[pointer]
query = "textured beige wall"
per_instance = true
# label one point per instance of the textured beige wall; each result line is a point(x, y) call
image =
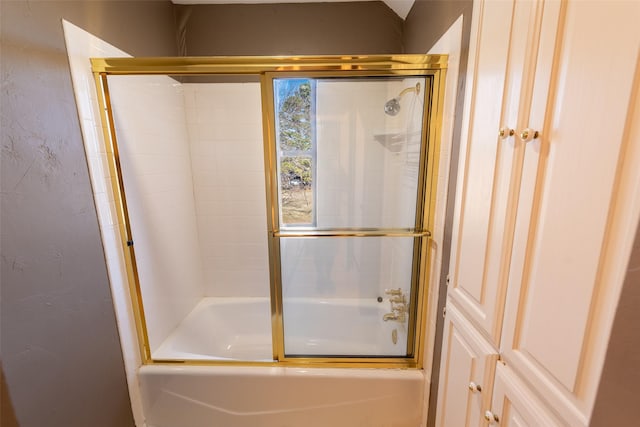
point(618, 400)
point(427, 21)
point(60, 350)
point(290, 29)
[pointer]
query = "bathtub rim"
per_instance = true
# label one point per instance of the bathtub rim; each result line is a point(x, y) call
point(371, 362)
point(267, 370)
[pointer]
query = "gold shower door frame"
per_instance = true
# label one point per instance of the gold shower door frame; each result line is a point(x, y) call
point(431, 67)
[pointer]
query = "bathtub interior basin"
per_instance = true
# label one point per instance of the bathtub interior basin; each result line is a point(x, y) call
point(222, 329)
point(240, 329)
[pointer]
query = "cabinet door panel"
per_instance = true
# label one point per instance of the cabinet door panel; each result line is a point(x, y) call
point(484, 224)
point(569, 200)
point(467, 358)
point(516, 406)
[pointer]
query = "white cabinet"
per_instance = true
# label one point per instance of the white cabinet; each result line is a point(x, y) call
point(565, 267)
point(499, 56)
point(543, 219)
point(514, 405)
point(466, 375)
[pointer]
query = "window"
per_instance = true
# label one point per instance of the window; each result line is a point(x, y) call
point(296, 145)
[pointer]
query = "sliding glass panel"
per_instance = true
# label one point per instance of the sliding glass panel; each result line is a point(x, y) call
point(347, 296)
point(348, 151)
point(348, 158)
point(192, 164)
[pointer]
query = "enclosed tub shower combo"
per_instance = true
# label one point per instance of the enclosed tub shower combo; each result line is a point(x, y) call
point(275, 216)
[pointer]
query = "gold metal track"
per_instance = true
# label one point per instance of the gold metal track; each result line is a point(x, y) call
point(260, 64)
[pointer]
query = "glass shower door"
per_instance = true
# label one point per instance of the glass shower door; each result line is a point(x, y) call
point(350, 167)
point(345, 150)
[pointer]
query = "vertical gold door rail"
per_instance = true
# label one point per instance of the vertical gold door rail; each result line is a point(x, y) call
point(273, 215)
point(431, 136)
point(117, 186)
point(421, 218)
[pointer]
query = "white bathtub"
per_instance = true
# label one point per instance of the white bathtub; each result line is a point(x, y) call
point(222, 329)
point(345, 326)
point(221, 396)
point(236, 396)
point(240, 329)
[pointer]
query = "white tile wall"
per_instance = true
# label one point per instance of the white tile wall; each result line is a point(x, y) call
point(149, 117)
point(403, 164)
point(355, 181)
point(400, 188)
point(345, 268)
point(225, 128)
point(81, 46)
point(349, 168)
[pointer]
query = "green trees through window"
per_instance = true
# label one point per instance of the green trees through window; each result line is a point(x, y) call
point(294, 115)
point(295, 133)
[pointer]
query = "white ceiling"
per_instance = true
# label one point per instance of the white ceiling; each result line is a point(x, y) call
point(400, 7)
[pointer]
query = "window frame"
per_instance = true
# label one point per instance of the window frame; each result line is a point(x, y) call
point(311, 153)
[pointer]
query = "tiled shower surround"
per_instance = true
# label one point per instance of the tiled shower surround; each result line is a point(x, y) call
point(224, 122)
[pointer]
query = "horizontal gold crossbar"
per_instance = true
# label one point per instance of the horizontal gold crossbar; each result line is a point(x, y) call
point(351, 233)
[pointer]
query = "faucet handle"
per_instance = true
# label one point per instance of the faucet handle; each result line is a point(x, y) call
point(398, 299)
point(393, 291)
point(399, 308)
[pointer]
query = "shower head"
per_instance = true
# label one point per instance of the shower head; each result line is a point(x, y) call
point(392, 106)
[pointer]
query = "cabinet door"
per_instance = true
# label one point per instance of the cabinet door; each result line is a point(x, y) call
point(514, 405)
point(578, 185)
point(466, 373)
point(501, 31)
